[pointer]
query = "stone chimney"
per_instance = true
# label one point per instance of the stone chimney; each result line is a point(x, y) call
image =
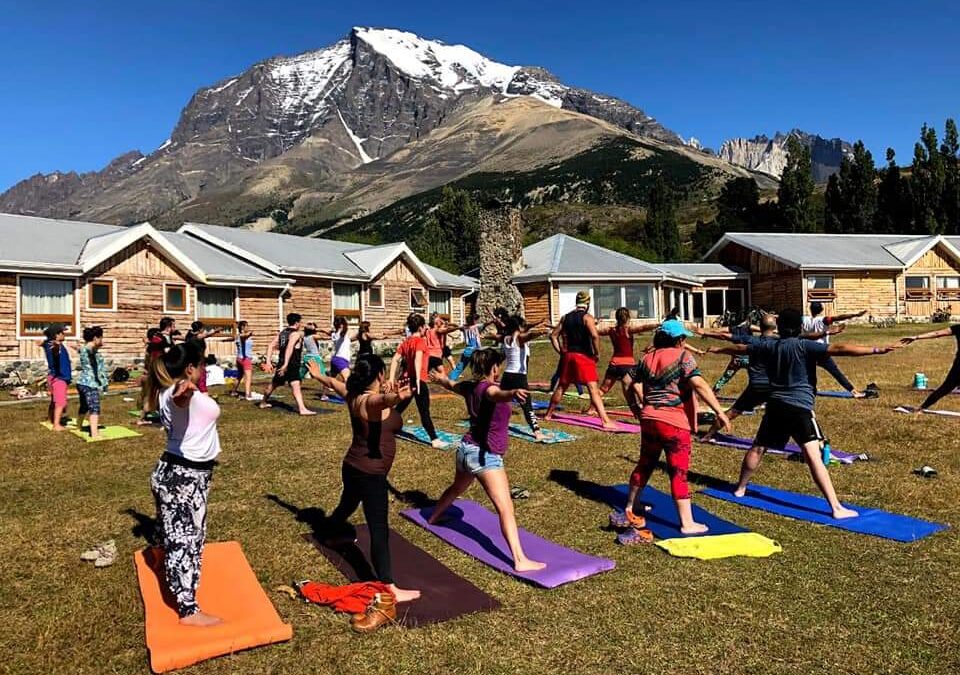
point(501, 256)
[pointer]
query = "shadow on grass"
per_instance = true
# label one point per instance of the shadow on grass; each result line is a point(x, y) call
point(144, 527)
point(415, 498)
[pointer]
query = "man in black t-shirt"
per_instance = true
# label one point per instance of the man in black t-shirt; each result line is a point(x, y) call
point(952, 380)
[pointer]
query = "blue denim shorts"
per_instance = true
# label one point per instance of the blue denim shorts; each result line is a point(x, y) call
point(468, 459)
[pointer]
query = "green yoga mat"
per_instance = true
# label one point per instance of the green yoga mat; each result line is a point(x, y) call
point(106, 434)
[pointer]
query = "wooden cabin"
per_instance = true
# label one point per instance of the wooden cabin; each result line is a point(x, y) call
point(905, 277)
point(558, 267)
point(125, 278)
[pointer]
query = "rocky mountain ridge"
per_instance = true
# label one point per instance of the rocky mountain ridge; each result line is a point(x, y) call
point(769, 155)
point(317, 115)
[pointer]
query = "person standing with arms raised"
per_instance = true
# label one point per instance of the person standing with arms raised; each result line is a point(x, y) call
point(289, 345)
point(577, 341)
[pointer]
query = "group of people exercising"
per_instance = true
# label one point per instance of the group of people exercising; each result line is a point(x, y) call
point(662, 387)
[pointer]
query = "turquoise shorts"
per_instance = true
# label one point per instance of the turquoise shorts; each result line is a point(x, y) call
point(468, 459)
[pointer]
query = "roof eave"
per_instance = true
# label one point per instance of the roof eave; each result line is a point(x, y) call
point(827, 268)
point(21, 266)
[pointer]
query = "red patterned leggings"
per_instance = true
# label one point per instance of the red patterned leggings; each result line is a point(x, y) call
point(658, 437)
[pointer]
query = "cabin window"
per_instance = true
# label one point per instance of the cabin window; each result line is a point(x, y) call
point(215, 308)
point(715, 302)
point(346, 300)
point(45, 301)
point(418, 300)
point(100, 295)
point(948, 288)
point(375, 296)
point(917, 288)
point(820, 287)
point(606, 301)
point(638, 298)
point(174, 298)
point(734, 299)
point(440, 303)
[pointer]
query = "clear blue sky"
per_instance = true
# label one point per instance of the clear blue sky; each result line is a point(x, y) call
point(78, 86)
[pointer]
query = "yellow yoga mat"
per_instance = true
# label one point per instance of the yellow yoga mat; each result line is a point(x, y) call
point(748, 544)
point(106, 434)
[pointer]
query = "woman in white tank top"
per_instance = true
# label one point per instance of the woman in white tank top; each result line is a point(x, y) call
point(516, 352)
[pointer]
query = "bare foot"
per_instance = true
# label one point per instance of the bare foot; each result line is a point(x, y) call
point(404, 594)
point(548, 417)
point(858, 394)
point(201, 620)
point(844, 512)
point(438, 444)
point(59, 428)
point(591, 412)
point(694, 528)
point(528, 565)
point(740, 492)
point(611, 425)
point(307, 413)
point(539, 437)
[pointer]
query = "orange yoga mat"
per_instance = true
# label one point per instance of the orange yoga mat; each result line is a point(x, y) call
point(228, 589)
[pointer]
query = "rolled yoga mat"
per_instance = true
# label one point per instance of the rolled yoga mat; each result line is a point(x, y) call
point(813, 509)
point(740, 443)
point(476, 531)
point(594, 423)
point(445, 594)
point(228, 589)
point(835, 394)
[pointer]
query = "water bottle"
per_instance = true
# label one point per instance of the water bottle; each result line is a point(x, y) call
point(919, 381)
point(826, 452)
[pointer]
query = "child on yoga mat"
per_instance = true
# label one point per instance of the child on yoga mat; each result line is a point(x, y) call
point(181, 480)
point(791, 362)
point(375, 422)
point(665, 381)
point(481, 451)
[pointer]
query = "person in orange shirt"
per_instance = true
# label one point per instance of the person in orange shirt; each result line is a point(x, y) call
point(665, 381)
point(414, 351)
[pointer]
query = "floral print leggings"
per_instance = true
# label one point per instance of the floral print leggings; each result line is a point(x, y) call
point(181, 496)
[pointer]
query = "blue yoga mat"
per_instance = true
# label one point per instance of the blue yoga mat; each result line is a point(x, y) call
point(816, 510)
point(542, 405)
point(662, 518)
point(835, 394)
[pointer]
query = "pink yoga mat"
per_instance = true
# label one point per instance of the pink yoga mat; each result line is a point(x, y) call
point(594, 423)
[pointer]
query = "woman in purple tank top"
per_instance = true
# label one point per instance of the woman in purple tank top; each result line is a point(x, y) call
point(480, 454)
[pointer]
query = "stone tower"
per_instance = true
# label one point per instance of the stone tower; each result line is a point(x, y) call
point(501, 256)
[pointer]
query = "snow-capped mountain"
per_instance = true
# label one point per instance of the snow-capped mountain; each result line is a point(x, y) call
point(346, 105)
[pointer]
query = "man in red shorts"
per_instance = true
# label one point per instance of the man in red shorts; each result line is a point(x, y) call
point(577, 341)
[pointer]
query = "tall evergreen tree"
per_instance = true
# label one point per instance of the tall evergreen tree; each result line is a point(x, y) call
point(926, 180)
point(796, 189)
point(893, 200)
point(833, 206)
point(661, 228)
point(950, 195)
point(450, 238)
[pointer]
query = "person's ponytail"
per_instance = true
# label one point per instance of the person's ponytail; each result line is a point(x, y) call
point(365, 372)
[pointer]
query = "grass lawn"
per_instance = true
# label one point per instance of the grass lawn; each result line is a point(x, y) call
point(832, 602)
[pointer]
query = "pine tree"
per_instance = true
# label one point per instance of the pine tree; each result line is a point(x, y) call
point(950, 195)
point(833, 206)
point(450, 238)
point(661, 230)
point(927, 182)
point(893, 200)
point(796, 189)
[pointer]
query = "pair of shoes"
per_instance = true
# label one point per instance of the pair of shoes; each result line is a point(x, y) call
point(926, 472)
point(103, 555)
point(621, 520)
point(519, 492)
point(381, 611)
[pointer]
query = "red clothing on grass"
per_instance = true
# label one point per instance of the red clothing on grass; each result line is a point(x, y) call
point(349, 598)
point(408, 351)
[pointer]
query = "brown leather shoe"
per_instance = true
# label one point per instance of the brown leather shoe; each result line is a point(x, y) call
point(382, 611)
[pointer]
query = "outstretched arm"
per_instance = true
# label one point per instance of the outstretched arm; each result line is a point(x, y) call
point(713, 334)
point(498, 395)
point(859, 350)
point(847, 317)
point(932, 335)
point(706, 395)
point(732, 350)
point(526, 336)
point(644, 327)
point(447, 383)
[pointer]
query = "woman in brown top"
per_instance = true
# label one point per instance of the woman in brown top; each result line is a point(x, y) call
point(368, 461)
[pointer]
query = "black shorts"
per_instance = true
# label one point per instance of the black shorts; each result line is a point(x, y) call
point(751, 398)
point(781, 422)
point(292, 375)
point(617, 373)
point(447, 352)
point(434, 363)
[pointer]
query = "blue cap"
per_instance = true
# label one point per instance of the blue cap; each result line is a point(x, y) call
point(674, 328)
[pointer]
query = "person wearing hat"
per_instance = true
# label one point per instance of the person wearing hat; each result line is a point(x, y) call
point(59, 373)
point(577, 341)
point(665, 382)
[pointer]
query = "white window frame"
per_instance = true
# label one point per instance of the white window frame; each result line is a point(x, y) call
point(88, 289)
point(186, 298)
point(352, 315)
point(74, 335)
point(426, 308)
point(383, 296)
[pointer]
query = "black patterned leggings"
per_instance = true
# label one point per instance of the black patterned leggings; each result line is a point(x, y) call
point(181, 496)
point(519, 381)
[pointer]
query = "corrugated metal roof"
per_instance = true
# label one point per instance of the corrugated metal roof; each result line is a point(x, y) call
point(835, 250)
point(289, 252)
point(216, 264)
point(563, 255)
point(47, 241)
point(703, 270)
point(447, 280)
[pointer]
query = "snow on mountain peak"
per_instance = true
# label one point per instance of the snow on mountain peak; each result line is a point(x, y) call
point(454, 67)
point(305, 78)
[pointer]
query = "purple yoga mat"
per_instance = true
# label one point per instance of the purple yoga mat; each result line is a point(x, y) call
point(476, 531)
point(594, 423)
point(739, 443)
